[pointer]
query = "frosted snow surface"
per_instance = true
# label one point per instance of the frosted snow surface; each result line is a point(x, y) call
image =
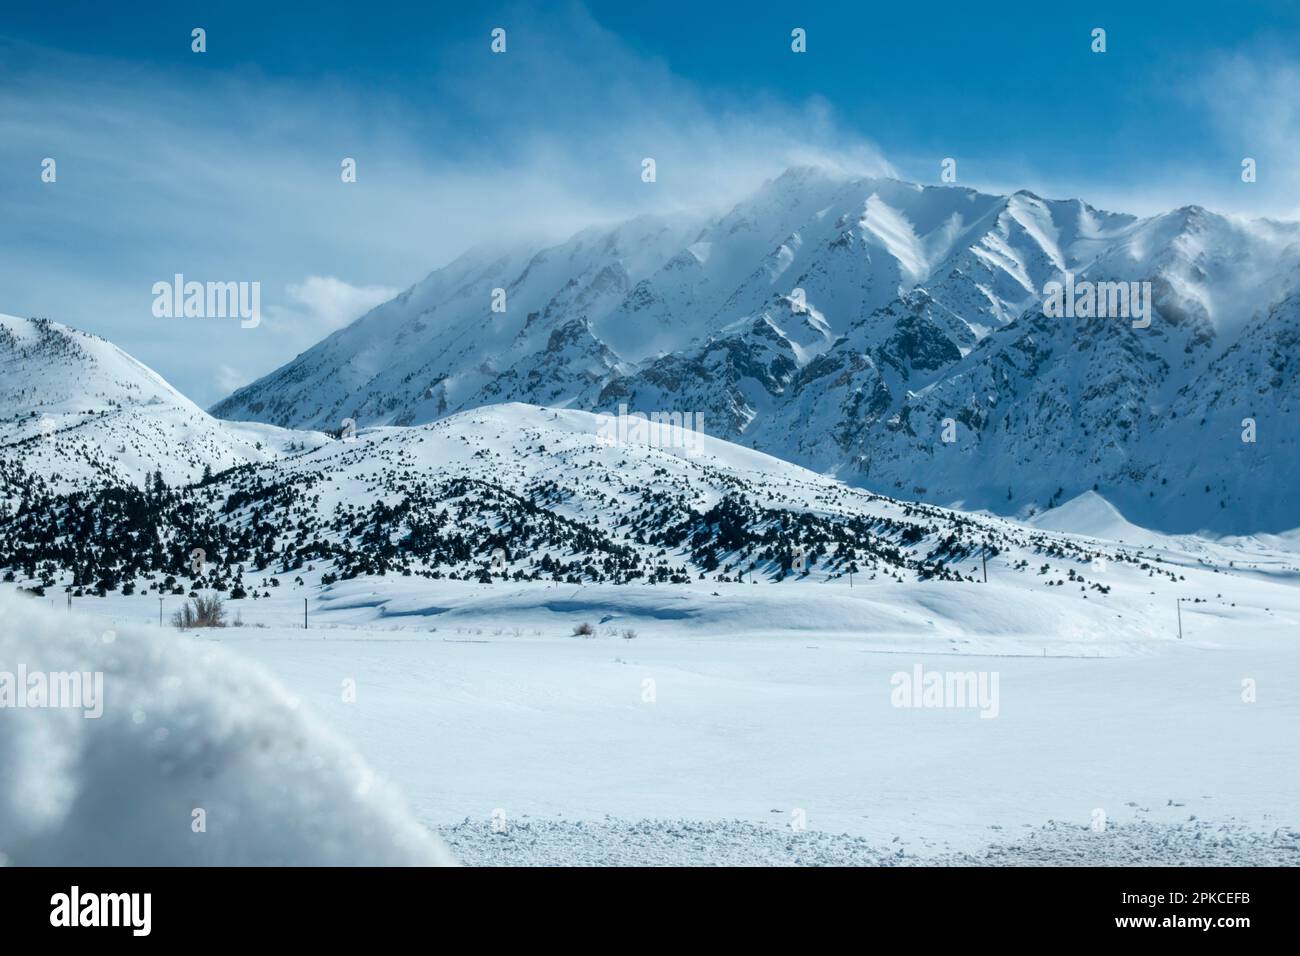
point(184, 727)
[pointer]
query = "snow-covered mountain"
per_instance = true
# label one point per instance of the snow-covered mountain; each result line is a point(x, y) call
point(851, 325)
point(78, 412)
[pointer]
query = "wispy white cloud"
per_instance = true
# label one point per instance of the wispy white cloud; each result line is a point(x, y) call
point(236, 177)
point(326, 303)
point(1252, 99)
point(228, 379)
point(1246, 106)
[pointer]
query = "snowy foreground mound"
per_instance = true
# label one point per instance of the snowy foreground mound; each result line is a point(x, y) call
point(196, 758)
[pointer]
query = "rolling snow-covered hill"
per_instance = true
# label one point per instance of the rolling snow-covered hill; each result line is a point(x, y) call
point(919, 306)
point(508, 501)
point(79, 412)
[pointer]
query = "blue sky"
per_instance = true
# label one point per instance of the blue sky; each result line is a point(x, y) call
point(224, 165)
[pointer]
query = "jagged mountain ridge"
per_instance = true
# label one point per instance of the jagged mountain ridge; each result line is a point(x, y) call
point(917, 302)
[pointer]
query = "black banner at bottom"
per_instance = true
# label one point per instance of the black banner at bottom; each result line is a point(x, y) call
point(338, 905)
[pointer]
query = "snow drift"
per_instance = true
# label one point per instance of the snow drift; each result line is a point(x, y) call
point(197, 759)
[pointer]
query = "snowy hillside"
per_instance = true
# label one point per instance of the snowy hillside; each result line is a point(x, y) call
point(519, 495)
point(843, 323)
point(77, 412)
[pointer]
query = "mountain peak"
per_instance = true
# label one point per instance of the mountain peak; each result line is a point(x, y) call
point(852, 376)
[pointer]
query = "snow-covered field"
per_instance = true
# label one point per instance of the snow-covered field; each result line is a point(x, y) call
point(758, 724)
point(774, 703)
